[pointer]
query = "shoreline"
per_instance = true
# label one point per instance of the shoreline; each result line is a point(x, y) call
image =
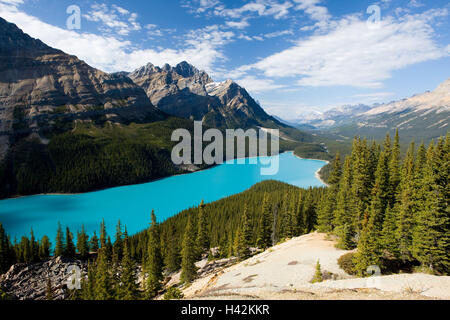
point(316, 174)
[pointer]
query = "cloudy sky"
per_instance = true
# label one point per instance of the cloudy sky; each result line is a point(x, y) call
point(293, 56)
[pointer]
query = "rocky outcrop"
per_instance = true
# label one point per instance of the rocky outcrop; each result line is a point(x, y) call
point(36, 79)
point(186, 92)
point(30, 281)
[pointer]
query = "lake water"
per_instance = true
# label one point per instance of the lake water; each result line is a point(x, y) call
point(133, 204)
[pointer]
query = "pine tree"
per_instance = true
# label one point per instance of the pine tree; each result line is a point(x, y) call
point(407, 207)
point(202, 236)
point(129, 288)
point(69, 251)
point(318, 277)
point(265, 225)
point(103, 234)
point(34, 248)
point(389, 232)
point(44, 248)
point(59, 247)
point(104, 284)
point(343, 219)
point(431, 238)
point(6, 252)
point(173, 258)
point(245, 236)
point(108, 249)
point(361, 185)
point(93, 243)
point(154, 260)
point(369, 247)
point(89, 287)
point(394, 171)
point(188, 254)
point(83, 244)
point(326, 209)
point(118, 245)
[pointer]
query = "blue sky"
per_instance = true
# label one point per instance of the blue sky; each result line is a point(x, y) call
point(293, 56)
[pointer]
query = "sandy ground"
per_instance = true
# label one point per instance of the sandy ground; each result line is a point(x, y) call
point(285, 271)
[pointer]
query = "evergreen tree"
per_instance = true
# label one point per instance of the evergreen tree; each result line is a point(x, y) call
point(108, 249)
point(89, 287)
point(369, 248)
point(326, 209)
point(318, 277)
point(394, 170)
point(202, 236)
point(34, 248)
point(265, 225)
point(245, 236)
point(343, 219)
point(407, 207)
point(389, 232)
point(118, 245)
point(154, 260)
point(44, 248)
point(59, 247)
point(83, 244)
point(431, 238)
point(173, 258)
point(129, 288)
point(188, 254)
point(93, 243)
point(361, 185)
point(104, 283)
point(6, 252)
point(69, 251)
point(103, 234)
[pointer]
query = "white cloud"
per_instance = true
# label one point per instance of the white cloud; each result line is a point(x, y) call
point(238, 24)
point(114, 19)
point(257, 85)
point(202, 47)
point(311, 8)
point(259, 7)
point(354, 55)
point(12, 2)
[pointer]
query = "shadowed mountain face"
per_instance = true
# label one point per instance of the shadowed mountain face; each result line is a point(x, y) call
point(38, 82)
point(187, 92)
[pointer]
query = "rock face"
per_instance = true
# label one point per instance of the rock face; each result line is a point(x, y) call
point(29, 282)
point(186, 92)
point(37, 80)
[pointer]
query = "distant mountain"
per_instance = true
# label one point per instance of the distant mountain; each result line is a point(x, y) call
point(186, 92)
point(333, 117)
point(422, 117)
point(38, 83)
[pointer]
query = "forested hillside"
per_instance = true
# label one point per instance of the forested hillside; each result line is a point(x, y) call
point(395, 213)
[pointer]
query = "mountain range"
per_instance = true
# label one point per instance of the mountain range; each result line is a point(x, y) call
point(187, 92)
point(422, 117)
point(68, 127)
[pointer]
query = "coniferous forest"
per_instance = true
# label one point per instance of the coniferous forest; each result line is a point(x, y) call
point(393, 208)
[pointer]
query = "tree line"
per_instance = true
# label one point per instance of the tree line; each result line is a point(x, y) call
point(387, 208)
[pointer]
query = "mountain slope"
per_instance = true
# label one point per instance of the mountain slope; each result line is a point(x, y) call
point(186, 92)
point(38, 82)
point(421, 117)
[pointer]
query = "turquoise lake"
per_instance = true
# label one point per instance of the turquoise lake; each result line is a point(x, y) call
point(133, 204)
